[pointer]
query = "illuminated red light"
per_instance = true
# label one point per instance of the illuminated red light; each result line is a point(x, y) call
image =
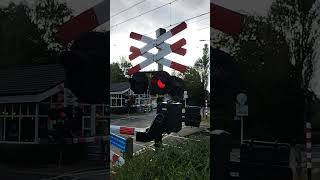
point(160, 84)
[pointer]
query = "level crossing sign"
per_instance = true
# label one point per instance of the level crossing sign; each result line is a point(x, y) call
point(164, 50)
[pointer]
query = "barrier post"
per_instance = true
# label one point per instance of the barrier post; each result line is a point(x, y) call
point(129, 148)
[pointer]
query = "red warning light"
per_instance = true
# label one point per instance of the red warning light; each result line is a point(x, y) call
point(161, 85)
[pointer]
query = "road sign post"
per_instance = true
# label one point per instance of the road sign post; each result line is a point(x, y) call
point(185, 97)
point(241, 110)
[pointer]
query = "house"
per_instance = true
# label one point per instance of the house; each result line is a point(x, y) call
point(118, 92)
point(27, 94)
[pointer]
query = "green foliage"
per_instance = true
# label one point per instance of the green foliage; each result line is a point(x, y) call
point(298, 21)
point(116, 73)
point(202, 65)
point(27, 35)
point(49, 15)
point(265, 55)
point(194, 86)
point(190, 161)
point(125, 65)
point(19, 37)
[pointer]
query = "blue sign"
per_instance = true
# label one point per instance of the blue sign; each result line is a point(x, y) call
point(118, 142)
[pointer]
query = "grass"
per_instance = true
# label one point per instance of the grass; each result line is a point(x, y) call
point(207, 120)
point(190, 161)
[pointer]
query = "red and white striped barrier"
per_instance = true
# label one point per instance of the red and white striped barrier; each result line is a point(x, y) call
point(165, 49)
point(124, 130)
point(116, 159)
point(84, 22)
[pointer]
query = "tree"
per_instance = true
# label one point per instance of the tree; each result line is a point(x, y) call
point(176, 73)
point(192, 81)
point(20, 42)
point(202, 65)
point(49, 15)
point(263, 55)
point(125, 65)
point(298, 21)
point(116, 73)
point(27, 35)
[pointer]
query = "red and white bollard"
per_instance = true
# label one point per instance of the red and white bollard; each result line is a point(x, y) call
point(206, 109)
point(124, 130)
point(116, 159)
point(309, 150)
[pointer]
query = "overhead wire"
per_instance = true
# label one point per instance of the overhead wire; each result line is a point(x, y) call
point(143, 13)
point(199, 20)
point(134, 5)
point(185, 20)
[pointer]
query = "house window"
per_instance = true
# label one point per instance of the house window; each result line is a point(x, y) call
point(113, 102)
point(116, 100)
point(2, 109)
point(1, 128)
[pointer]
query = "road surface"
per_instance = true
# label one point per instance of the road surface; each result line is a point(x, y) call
point(80, 171)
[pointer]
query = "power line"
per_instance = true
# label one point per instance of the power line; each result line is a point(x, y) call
point(143, 13)
point(196, 30)
point(199, 20)
point(188, 19)
point(127, 9)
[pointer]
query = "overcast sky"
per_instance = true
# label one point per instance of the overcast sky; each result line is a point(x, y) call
point(196, 34)
point(197, 29)
point(178, 11)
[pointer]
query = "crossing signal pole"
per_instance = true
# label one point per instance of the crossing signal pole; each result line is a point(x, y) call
point(159, 32)
point(170, 115)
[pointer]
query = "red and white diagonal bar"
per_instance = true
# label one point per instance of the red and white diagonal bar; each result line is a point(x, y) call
point(225, 20)
point(168, 49)
point(158, 58)
point(173, 65)
point(160, 39)
point(143, 64)
point(116, 159)
point(142, 38)
point(171, 33)
point(163, 61)
point(136, 51)
point(165, 50)
point(84, 22)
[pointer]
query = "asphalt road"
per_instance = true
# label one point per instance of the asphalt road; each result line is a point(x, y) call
point(82, 171)
point(141, 120)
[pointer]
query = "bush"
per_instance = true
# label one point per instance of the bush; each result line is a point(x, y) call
point(191, 161)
